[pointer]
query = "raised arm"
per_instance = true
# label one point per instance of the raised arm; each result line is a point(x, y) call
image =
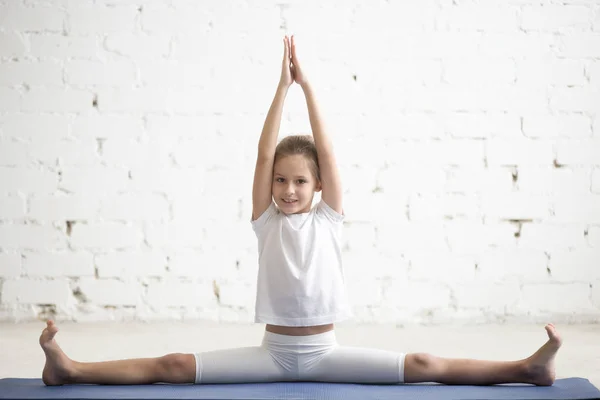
point(263, 172)
point(331, 183)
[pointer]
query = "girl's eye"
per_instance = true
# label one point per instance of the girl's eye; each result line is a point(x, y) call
point(301, 181)
point(279, 179)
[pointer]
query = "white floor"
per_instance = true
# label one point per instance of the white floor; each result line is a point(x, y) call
point(20, 355)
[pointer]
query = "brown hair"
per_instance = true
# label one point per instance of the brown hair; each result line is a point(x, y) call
point(300, 145)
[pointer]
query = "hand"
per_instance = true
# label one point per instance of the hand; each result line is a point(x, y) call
point(297, 72)
point(287, 73)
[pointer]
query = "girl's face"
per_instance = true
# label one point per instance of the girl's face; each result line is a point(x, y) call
point(294, 185)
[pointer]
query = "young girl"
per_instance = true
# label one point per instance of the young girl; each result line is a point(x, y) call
point(300, 288)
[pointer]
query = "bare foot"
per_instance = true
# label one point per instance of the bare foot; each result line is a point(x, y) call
point(59, 368)
point(540, 366)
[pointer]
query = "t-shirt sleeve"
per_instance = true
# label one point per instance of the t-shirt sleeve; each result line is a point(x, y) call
point(259, 223)
point(323, 209)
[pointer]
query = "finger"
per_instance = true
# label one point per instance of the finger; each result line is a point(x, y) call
point(286, 48)
point(293, 48)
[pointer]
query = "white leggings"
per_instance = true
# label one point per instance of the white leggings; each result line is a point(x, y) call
point(300, 358)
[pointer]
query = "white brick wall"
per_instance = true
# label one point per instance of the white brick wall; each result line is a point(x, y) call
point(468, 137)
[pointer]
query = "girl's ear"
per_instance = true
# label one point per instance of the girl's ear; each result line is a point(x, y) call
point(318, 186)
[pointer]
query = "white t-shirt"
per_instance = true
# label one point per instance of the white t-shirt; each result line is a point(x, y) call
point(300, 275)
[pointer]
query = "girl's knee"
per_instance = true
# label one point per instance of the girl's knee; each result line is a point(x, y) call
point(425, 362)
point(178, 366)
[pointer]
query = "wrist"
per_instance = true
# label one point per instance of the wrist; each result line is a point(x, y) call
point(282, 86)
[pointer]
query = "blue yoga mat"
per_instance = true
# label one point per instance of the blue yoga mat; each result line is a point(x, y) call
point(571, 388)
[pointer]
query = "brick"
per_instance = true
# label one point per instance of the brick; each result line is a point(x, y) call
point(126, 264)
point(592, 71)
point(12, 207)
point(518, 265)
point(27, 180)
point(86, 72)
point(381, 266)
point(139, 47)
point(553, 180)
point(169, 73)
point(555, 298)
point(237, 293)
point(34, 126)
point(469, 180)
point(94, 180)
point(63, 264)
point(128, 207)
point(183, 126)
point(62, 47)
point(576, 209)
point(10, 100)
point(358, 235)
point(373, 207)
point(515, 205)
point(416, 296)
point(555, 18)
point(130, 153)
point(209, 150)
point(194, 207)
point(444, 205)
point(593, 236)
point(448, 152)
point(361, 179)
point(31, 73)
point(516, 45)
point(551, 237)
point(100, 19)
point(188, 19)
point(596, 294)
point(30, 237)
point(12, 44)
point(458, 98)
point(29, 291)
point(10, 265)
point(107, 126)
point(491, 297)
point(110, 292)
point(166, 179)
point(575, 99)
point(105, 236)
point(477, 18)
point(14, 154)
point(132, 100)
point(488, 125)
point(500, 152)
point(596, 180)
point(19, 18)
point(173, 234)
point(477, 71)
point(52, 152)
point(364, 292)
point(561, 72)
point(445, 266)
point(208, 263)
point(180, 294)
point(406, 239)
point(230, 17)
point(578, 265)
point(61, 207)
point(582, 152)
point(580, 45)
point(57, 100)
point(472, 238)
point(557, 126)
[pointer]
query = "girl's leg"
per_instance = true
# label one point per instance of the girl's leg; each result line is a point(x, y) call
point(60, 369)
point(538, 369)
